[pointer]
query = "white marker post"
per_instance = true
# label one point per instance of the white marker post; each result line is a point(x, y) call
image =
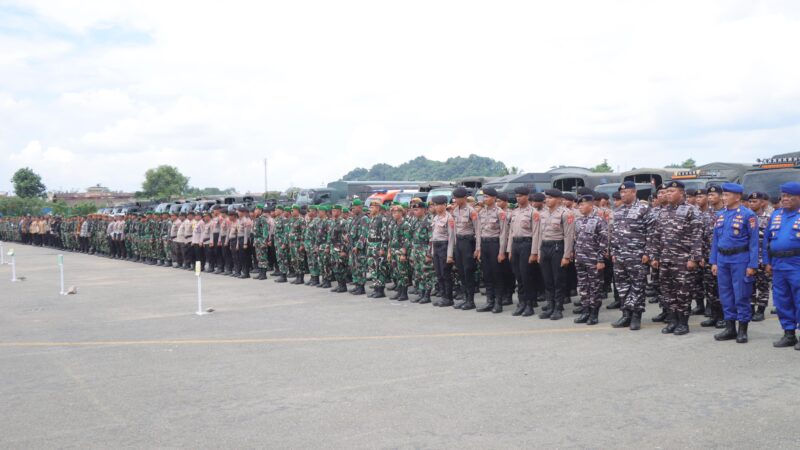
point(13, 266)
point(200, 311)
point(61, 273)
point(2, 255)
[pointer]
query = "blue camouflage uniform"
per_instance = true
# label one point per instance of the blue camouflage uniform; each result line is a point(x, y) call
point(782, 252)
point(734, 249)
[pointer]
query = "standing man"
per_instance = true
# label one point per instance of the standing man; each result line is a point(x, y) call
point(715, 205)
point(782, 257)
point(422, 257)
point(260, 240)
point(468, 244)
point(376, 250)
point(591, 247)
point(677, 253)
point(629, 252)
point(556, 238)
point(492, 221)
point(442, 242)
point(758, 202)
point(734, 260)
point(297, 226)
point(400, 252)
point(243, 235)
point(522, 247)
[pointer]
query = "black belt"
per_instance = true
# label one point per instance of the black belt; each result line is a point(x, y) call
point(522, 239)
point(462, 237)
point(374, 240)
point(439, 243)
point(552, 242)
point(785, 253)
point(733, 251)
point(490, 239)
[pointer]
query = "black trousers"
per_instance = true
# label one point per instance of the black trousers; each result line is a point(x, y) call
point(244, 256)
point(188, 254)
point(216, 253)
point(227, 257)
point(464, 258)
point(234, 251)
point(444, 271)
point(523, 271)
point(552, 252)
point(490, 269)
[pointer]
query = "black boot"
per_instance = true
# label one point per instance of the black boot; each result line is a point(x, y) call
point(281, 278)
point(507, 301)
point(262, 274)
point(584, 317)
point(789, 339)
point(426, 298)
point(661, 317)
point(403, 294)
point(444, 302)
point(758, 315)
point(593, 313)
point(245, 274)
point(580, 310)
point(729, 332)
point(301, 279)
point(498, 307)
point(636, 321)
point(715, 310)
point(672, 322)
point(315, 281)
point(397, 294)
point(529, 311)
point(359, 290)
point(623, 321)
point(683, 324)
point(379, 292)
point(469, 303)
point(741, 337)
point(558, 313)
point(614, 305)
point(520, 309)
point(547, 311)
point(325, 285)
point(488, 306)
point(700, 309)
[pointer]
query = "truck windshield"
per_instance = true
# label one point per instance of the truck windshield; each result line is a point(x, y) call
point(769, 181)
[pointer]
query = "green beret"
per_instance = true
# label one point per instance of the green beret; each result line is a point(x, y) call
point(385, 206)
point(347, 210)
point(279, 207)
point(336, 207)
point(357, 202)
point(260, 206)
point(296, 207)
point(395, 203)
point(404, 204)
point(314, 207)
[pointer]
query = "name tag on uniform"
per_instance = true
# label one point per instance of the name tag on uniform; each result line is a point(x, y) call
point(682, 211)
point(591, 223)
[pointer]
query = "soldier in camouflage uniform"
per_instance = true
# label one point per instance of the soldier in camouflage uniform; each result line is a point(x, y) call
point(336, 248)
point(421, 256)
point(357, 235)
point(297, 225)
point(591, 246)
point(758, 201)
point(710, 285)
point(322, 248)
point(629, 252)
point(261, 230)
point(376, 250)
point(281, 245)
point(399, 252)
point(677, 253)
point(310, 244)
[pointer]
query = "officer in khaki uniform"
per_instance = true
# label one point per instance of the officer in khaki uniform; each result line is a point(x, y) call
point(556, 237)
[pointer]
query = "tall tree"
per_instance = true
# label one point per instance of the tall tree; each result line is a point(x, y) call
point(164, 182)
point(27, 183)
point(604, 167)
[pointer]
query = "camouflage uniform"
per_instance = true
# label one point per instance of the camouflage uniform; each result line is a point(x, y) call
point(310, 244)
point(297, 227)
point(421, 257)
point(629, 244)
point(591, 245)
point(377, 241)
point(761, 285)
point(358, 232)
point(400, 248)
point(322, 250)
point(335, 245)
point(260, 239)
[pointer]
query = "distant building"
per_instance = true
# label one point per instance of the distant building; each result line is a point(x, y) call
point(97, 195)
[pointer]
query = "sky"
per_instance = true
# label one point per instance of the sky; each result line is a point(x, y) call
point(97, 92)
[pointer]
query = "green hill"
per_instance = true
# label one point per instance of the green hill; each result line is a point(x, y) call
point(422, 168)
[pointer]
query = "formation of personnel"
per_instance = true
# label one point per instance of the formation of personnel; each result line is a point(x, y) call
point(717, 247)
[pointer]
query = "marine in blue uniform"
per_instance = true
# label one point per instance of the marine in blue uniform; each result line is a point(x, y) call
point(782, 257)
point(734, 261)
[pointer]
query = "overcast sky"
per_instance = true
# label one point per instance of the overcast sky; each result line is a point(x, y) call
point(98, 91)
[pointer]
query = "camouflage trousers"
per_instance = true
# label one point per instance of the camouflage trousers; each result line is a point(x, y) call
point(590, 284)
point(262, 253)
point(761, 287)
point(358, 264)
point(298, 256)
point(630, 276)
point(424, 276)
point(283, 256)
point(710, 285)
point(402, 269)
point(337, 263)
point(312, 257)
point(377, 266)
point(676, 286)
point(324, 258)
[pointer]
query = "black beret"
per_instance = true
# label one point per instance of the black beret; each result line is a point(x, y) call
point(459, 192)
point(502, 196)
point(243, 209)
point(699, 192)
point(439, 200)
point(691, 192)
point(522, 190)
point(232, 213)
point(418, 205)
point(492, 192)
point(757, 196)
point(585, 191)
point(538, 197)
point(569, 196)
point(601, 196)
point(616, 195)
point(627, 185)
point(586, 198)
point(553, 193)
point(714, 189)
point(661, 187)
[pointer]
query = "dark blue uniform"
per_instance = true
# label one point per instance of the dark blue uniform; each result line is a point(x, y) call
point(782, 251)
point(734, 249)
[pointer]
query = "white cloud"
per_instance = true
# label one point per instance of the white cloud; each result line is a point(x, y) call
point(322, 87)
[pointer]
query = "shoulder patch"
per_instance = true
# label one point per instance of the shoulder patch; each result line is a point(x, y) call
point(473, 216)
point(536, 216)
point(570, 218)
point(451, 223)
point(502, 215)
point(753, 222)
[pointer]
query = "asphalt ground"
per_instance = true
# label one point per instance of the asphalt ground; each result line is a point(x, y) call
point(126, 363)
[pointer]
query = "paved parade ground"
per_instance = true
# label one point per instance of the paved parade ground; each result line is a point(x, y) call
point(126, 363)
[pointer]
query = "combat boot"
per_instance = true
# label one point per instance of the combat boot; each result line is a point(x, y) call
point(315, 280)
point(398, 292)
point(359, 290)
point(625, 320)
point(488, 306)
point(426, 298)
point(444, 302)
point(728, 333)
point(262, 274)
point(547, 311)
point(715, 315)
point(614, 305)
point(520, 309)
point(558, 314)
point(593, 313)
point(700, 309)
point(403, 294)
point(498, 307)
point(529, 310)
point(636, 321)
point(661, 317)
point(580, 310)
point(758, 315)
point(325, 285)
point(583, 318)
point(683, 325)
point(741, 337)
point(299, 279)
point(672, 322)
point(281, 278)
point(789, 339)
point(507, 300)
point(245, 274)
point(379, 292)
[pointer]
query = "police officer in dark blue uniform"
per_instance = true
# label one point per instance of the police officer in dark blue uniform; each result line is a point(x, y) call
point(782, 257)
point(734, 261)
